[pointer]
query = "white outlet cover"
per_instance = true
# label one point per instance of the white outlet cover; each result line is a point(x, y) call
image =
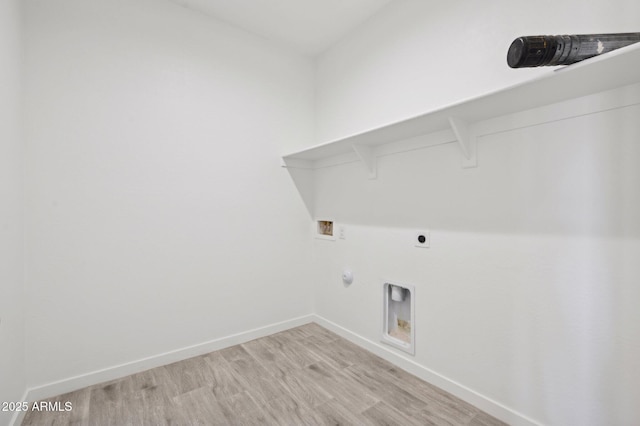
point(427, 239)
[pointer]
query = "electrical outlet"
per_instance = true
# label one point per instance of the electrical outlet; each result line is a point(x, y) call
point(341, 232)
point(422, 239)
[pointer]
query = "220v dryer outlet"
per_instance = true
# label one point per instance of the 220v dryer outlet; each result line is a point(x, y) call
point(422, 239)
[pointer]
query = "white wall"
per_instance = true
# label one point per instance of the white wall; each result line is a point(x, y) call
point(12, 372)
point(414, 56)
point(159, 216)
point(528, 292)
point(527, 295)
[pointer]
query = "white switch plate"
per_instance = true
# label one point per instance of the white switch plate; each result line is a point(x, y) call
point(422, 239)
point(341, 232)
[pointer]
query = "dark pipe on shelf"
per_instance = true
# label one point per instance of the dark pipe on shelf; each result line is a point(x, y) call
point(549, 50)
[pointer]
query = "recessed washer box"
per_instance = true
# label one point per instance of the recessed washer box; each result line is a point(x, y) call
point(325, 229)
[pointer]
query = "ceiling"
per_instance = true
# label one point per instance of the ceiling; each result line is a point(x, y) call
point(308, 26)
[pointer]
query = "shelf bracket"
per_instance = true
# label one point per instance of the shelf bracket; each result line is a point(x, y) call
point(466, 140)
point(368, 158)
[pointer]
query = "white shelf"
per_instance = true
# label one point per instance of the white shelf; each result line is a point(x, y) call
point(601, 73)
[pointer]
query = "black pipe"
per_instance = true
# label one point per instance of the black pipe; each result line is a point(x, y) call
point(542, 50)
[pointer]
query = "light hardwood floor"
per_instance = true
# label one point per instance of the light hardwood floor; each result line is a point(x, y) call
point(303, 376)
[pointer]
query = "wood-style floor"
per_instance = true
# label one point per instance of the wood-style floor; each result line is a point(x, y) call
point(303, 376)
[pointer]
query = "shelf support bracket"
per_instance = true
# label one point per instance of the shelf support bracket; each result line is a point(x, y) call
point(368, 158)
point(466, 140)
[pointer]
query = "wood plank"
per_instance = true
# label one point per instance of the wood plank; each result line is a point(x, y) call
point(244, 410)
point(199, 407)
point(445, 404)
point(382, 414)
point(402, 398)
point(287, 411)
point(287, 346)
point(303, 388)
point(225, 382)
point(273, 360)
point(78, 416)
point(255, 379)
point(334, 413)
point(111, 404)
point(190, 374)
point(484, 419)
point(348, 392)
point(319, 333)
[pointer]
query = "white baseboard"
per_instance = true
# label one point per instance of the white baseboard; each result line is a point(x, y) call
point(118, 371)
point(484, 403)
